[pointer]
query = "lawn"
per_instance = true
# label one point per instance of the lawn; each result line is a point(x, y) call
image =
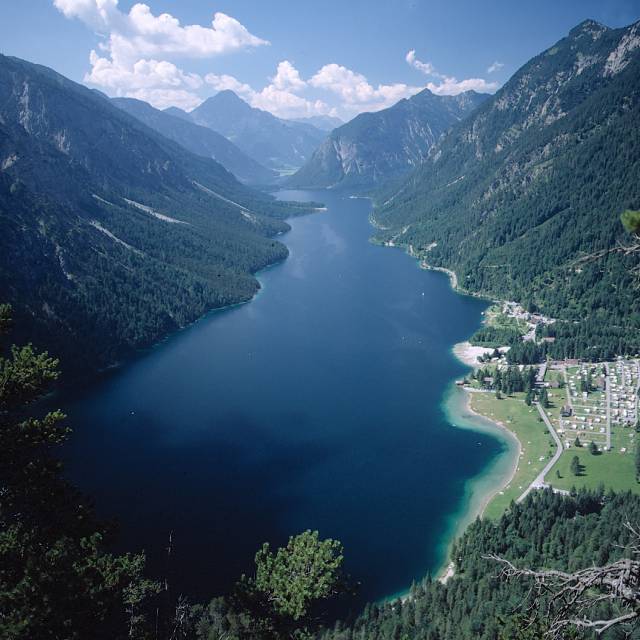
point(612, 469)
point(536, 443)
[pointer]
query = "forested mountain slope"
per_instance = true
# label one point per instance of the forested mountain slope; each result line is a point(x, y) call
point(200, 140)
point(374, 147)
point(546, 531)
point(275, 143)
point(523, 198)
point(111, 235)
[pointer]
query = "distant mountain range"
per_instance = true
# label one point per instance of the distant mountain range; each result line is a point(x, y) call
point(278, 144)
point(375, 147)
point(324, 123)
point(177, 126)
point(523, 198)
point(112, 235)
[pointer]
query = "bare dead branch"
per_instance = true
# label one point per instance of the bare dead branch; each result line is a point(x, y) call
point(570, 597)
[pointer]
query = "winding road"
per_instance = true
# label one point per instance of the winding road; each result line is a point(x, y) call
point(539, 482)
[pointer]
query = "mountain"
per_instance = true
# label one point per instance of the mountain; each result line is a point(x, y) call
point(111, 235)
point(375, 147)
point(324, 123)
point(177, 113)
point(522, 199)
point(275, 143)
point(199, 140)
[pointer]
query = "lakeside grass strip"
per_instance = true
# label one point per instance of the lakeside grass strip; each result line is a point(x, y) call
point(525, 423)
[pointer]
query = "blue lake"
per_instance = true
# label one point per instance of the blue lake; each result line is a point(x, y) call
point(318, 405)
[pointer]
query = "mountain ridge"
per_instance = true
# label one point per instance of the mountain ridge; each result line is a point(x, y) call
point(516, 198)
point(384, 145)
point(200, 140)
point(112, 235)
point(275, 143)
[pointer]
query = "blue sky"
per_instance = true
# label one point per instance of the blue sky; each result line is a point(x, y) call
point(293, 58)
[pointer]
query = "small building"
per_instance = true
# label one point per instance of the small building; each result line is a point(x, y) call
point(566, 411)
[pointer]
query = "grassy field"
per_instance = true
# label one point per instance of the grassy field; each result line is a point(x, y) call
point(615, 469)
point(536, 443)
point(494, 317)
point(498, 329)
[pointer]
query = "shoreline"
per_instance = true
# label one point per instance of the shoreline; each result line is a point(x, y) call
point(482, 489)
point(504, 431)
point(453, 278)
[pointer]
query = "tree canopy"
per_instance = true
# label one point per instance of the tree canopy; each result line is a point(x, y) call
point(631, 221)
point(302, 573)
point(56, 579)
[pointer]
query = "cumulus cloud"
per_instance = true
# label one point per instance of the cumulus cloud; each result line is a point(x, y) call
point(285, 95)
point(137, 56)
point(355, 90)
point(496, 66)
point(141, 34)
point(156, 81)
point(229, 83)
point(280, 97)
point(287, 78)
point(449, 85)
point(425, 67)
point(135, 46)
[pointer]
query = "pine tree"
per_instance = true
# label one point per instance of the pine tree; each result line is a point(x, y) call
point(575, 466)
point(56, 580)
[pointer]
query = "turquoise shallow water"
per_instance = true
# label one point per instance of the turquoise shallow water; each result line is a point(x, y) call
point(318, 405)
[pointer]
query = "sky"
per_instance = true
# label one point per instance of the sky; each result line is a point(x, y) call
point(295, 59)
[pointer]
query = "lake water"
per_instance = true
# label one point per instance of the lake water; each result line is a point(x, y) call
point(318, 405)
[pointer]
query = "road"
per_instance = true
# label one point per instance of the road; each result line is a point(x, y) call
point(638, 391)
point(607, 385)
point(539, 482)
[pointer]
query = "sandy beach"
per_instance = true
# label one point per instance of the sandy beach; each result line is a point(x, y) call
point(480, 490)
point(468, 354)
point(452, 274)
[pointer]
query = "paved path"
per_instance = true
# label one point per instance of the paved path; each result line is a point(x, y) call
point(567, 386)
point(637, 391)
point(539, 482)
point(607, 384)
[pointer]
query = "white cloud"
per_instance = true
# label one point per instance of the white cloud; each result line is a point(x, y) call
point(229, 83)
point(285, 96)
point(496, 66)
point(288, 105)
point(452, 86)
point(424, 67)
point(141, 34)
point(355, 90)
point(280, 96)
point(449, 85)
point(156, 82)
point(287, 78)
point(137, 51)
point(134, 43)
point(96, 13)
point(163, 98)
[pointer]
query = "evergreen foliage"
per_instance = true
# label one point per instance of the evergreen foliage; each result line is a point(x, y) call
point(546, 530)
point(523, 198)
point(56, 579)
point(115, 236)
